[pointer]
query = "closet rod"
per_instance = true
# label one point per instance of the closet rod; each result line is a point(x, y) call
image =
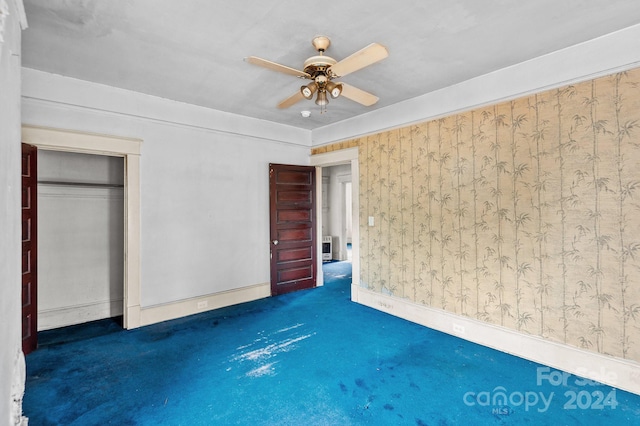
point(80, 184)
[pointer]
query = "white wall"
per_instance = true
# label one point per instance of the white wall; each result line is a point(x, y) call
point(12, 373)
point(80, 238)
point(204, 181)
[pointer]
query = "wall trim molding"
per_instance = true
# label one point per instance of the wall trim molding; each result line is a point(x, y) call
point(22, 15)
point(620, 373)
point(196, 305)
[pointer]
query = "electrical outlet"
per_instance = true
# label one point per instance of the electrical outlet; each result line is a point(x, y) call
point(203, 304)
point(458, 329)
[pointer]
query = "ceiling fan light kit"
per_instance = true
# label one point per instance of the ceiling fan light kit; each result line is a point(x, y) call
point(321, 70)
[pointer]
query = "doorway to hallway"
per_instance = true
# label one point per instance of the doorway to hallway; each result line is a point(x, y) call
point(337, 209)
point(348, 157)
point(337, 219)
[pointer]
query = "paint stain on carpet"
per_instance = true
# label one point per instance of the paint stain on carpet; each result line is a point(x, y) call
point(264, 370)
point(259, 353)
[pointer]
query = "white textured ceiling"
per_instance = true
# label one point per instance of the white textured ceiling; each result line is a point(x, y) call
point(192, 50)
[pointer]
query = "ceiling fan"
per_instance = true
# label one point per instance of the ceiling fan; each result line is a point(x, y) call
point(322, 70)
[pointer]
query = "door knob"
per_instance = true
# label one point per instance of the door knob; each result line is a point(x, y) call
point(275, 242)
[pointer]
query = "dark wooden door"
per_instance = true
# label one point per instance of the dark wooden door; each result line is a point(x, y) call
point(293, 227)
point(29, 248)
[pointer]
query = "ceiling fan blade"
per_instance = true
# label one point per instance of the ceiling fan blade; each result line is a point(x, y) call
point(358, 95)
point(364, 57)
point(293, 99)
point(276, 67)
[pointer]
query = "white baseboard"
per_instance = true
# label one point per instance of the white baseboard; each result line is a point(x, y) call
point(78, 314)
point(196, 305)
point(620, 373)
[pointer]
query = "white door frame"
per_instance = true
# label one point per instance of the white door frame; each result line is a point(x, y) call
point(334, 158)
point(129, 149)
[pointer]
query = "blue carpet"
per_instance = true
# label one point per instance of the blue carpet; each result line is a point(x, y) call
point(305, 358)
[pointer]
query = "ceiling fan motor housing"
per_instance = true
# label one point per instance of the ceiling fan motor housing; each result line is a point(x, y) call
point(316, 65)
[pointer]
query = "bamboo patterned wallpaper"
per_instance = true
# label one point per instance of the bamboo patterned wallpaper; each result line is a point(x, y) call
point(524, 214)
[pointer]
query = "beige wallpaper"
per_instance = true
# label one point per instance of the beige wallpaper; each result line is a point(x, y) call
point(524, 214)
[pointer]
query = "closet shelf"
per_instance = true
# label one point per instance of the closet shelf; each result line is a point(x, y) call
point(80, 184)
